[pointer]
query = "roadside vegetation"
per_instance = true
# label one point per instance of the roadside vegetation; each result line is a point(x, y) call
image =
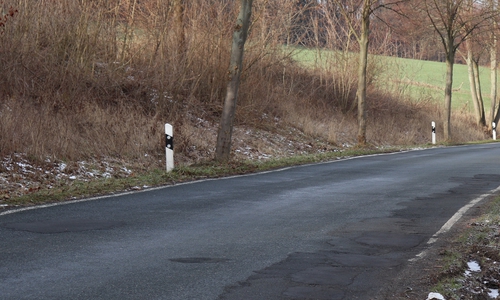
point(88, 86)
point(469, 267)
point(85, 180)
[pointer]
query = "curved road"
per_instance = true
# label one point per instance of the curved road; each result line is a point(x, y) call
point(338, 230)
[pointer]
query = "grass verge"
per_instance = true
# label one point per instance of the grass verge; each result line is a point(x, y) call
point(76, 189)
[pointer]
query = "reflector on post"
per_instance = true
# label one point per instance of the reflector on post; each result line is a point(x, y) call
point(169, 147)
point(433, 124)
point(494, 130)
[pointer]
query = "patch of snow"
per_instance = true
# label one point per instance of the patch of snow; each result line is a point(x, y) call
point(124, 169)
point(473, 266)
point(493, 293)
point(155, 96)
point(435, 296)
point(19, 176)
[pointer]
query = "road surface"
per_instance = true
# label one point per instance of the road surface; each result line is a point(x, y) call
point(338, 230)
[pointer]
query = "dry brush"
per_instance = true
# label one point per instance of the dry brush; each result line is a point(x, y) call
point(86, 78)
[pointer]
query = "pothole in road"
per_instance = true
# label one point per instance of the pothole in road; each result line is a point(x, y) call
point(62, 226)
point(199, 260)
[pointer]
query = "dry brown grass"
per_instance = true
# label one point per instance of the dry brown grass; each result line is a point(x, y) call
point(83, 79)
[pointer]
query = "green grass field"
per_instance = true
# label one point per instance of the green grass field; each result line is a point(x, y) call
point(421, 80)
point(427, 78)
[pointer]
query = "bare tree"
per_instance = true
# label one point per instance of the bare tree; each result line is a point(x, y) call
point(472, 57)
point(454, 21)
point(494, 115)
point(223, 148)
point(363, 63)
point(358, 14)
point(493, 76)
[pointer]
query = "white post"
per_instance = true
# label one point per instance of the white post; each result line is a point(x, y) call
point(169, 147)
point(433, 124)
point(494, 131)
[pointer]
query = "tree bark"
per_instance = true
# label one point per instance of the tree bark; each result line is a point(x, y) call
point(480, 102)
point(494, 87)
point(223, 148)
point(362, 72)
point(493, 76)
point(179, 29)
point(472, 81)
point(450, 60)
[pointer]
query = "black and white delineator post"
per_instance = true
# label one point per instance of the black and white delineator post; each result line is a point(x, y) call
point(169, 147)
point(433, 124)
point(494, 129)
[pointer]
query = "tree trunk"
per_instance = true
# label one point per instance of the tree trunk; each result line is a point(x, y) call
point(480, 102)
point(363, 63)
point(223, 148)
point(179, 29)
point(472, 81)
point(493, 92)
point(450, 60)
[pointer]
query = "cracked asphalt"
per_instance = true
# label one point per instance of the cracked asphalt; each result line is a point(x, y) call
point(338, 230)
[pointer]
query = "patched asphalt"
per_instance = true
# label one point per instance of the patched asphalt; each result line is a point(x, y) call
point(361, 258)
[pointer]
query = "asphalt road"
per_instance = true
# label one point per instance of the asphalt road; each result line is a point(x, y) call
point(339, 230)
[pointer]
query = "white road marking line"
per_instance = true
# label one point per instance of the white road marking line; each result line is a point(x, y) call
point(453, 220)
